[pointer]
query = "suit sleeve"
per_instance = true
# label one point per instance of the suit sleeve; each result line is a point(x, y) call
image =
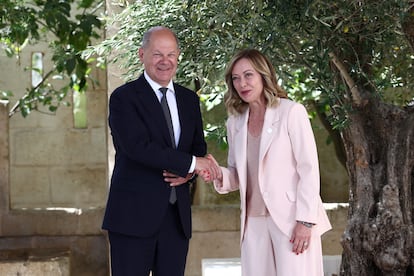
point(230, 181)
point(307, 165)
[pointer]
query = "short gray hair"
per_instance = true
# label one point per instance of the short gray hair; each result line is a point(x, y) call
point(147, 35)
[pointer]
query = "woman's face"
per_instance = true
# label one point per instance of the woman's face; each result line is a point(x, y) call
point(247, 82)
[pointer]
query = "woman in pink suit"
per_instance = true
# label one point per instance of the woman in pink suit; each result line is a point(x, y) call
point(273, 162)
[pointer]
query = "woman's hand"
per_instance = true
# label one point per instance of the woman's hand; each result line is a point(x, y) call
point(217, 174)
point(301, 237)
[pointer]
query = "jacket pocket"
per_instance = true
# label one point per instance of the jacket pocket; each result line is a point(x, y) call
point(291, 196)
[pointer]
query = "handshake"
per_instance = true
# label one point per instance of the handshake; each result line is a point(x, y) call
point(208, 168)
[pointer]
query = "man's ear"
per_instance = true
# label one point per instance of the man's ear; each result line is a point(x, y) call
point(141, 54)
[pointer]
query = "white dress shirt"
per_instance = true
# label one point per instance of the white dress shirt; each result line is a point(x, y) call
point(172, 104)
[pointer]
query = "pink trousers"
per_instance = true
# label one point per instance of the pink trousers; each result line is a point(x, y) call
point(266, 251)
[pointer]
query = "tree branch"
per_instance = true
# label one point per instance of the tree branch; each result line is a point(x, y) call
point(16, 106)
point(356, 94)
point(333, 133)
point(408, 25)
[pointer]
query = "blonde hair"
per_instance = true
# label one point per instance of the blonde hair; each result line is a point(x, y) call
point(271, 89)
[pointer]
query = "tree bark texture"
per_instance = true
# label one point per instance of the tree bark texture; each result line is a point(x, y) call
point(379, 237)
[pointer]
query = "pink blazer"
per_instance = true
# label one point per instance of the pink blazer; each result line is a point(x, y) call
point(288, 167)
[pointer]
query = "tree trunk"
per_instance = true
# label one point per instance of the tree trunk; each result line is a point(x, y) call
point(379, 237)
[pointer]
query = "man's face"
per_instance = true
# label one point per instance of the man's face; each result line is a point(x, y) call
point(160, 57)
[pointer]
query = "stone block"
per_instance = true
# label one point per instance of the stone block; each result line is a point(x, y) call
point(213, 244)
point(78, 186)
point(31, 187)
point(216, 218)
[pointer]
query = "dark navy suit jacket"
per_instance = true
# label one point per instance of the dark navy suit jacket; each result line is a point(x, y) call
point(138, 196)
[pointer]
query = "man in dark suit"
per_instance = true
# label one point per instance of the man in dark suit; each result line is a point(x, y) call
point(148, 213)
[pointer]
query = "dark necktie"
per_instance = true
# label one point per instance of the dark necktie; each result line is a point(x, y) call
point(167, 114)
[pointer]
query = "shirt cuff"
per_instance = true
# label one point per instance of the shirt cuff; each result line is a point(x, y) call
point(193, 164)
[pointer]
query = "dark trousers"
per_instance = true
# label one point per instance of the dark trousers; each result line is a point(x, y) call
point(164, 254)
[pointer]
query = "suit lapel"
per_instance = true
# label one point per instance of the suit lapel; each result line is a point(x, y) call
point(182, 109)
point(152, 106)
point(272, 117)
point(240, 145)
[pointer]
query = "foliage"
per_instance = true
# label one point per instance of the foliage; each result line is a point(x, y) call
point(29, 22)
point(299, 36)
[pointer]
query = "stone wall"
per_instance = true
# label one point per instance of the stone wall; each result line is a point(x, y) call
point(50, 158)
point(53, 181)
